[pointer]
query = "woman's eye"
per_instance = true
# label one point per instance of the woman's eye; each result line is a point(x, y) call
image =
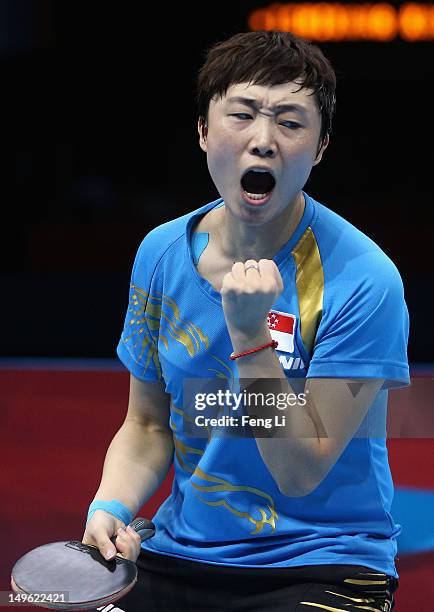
point(290, 124)
point(293, 125)
point(241, 115)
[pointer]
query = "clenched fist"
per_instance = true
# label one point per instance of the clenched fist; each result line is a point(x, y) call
point(248, 292)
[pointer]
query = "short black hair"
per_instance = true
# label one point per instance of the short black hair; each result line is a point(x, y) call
point(268, 58)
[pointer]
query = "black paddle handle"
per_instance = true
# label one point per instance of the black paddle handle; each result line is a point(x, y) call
point(145, 528)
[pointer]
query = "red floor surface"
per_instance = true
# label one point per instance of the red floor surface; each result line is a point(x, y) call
point(56, 427)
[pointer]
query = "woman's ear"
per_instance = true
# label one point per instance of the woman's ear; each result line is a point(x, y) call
point(324, 146)
point(202, 128)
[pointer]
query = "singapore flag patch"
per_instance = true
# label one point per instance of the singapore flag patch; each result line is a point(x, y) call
point(282, 329)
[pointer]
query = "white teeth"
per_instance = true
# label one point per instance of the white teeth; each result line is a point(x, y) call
point(256, 196)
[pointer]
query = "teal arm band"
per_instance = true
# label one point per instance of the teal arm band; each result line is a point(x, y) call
point(114, 507)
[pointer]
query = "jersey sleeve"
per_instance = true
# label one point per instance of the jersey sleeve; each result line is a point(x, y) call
point(138, 345)
point(364, 330)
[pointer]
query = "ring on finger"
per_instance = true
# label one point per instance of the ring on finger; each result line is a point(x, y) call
point(254, 266)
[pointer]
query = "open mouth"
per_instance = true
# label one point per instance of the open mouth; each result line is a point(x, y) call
point(257, 186)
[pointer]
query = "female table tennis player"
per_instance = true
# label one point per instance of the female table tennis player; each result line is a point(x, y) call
point(263, 284)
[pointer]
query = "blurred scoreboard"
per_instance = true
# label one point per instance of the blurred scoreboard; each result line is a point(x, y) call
point(345, 22)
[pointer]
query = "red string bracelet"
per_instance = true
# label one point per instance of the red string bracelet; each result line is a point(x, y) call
point(274, 344)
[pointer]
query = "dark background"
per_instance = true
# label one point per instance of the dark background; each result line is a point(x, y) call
point(99, 145)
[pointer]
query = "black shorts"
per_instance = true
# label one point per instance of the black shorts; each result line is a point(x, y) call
point(169, 584)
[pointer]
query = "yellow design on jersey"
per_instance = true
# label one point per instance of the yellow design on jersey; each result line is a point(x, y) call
point(309, 280)
point(259, 524)
point(182, 449)
point(227, 372)
point(227, 487)
point(147, 312)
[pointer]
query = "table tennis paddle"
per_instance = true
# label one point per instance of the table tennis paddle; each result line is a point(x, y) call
point(77, 570)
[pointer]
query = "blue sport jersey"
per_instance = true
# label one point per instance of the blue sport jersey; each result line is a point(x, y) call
point(344, 316)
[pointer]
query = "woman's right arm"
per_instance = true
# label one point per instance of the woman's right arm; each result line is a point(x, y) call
point(136, 463)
